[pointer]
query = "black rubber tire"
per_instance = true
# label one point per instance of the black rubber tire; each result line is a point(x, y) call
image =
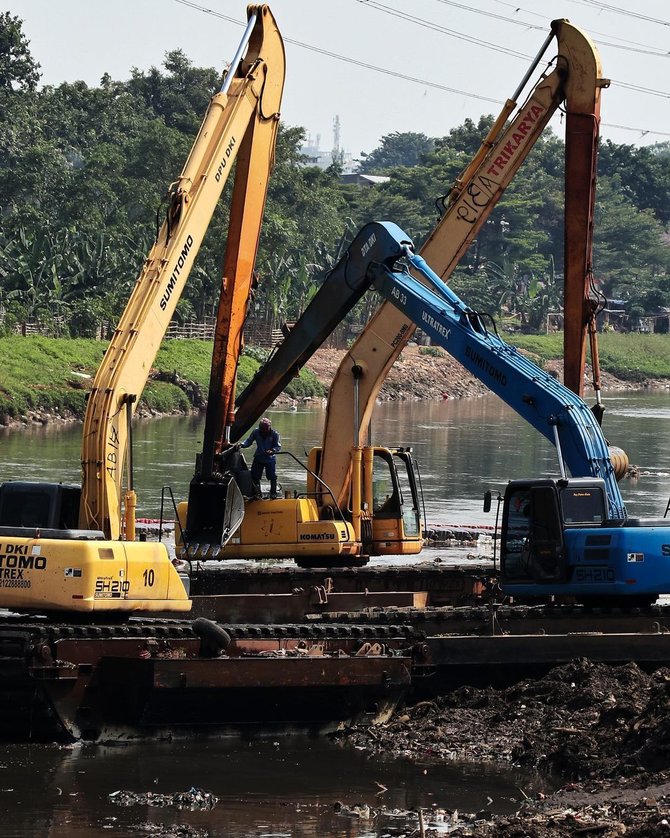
point(214, 639)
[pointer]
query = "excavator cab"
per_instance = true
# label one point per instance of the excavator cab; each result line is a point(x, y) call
point(50, 509)
point(536, 516)
point(532, 535)
point(28, 504)
point(391, 520)
point(396, 517)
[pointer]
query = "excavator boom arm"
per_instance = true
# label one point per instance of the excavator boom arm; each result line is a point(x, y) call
point(251, 94)
point(546, 404)
point(254, 164)
point(342, 289)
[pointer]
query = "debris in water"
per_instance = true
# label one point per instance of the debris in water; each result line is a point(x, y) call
point(193, 799)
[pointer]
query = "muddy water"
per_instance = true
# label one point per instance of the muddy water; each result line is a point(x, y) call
point(286, 787)
point(290, 788)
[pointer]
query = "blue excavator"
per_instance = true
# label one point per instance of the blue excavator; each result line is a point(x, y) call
point(563, 536)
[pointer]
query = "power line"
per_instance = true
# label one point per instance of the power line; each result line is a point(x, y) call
point(626, 12)
point(387, 72)
point(380, 7)
point(640, 89)
point(631, 46)
point(385, 9)
point(423, 82)
point(596, 4)
point(348, 60)
point(435, 27)
point(518, 8)
point(643, 132)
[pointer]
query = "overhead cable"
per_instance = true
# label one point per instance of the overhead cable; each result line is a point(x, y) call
point(426, 82)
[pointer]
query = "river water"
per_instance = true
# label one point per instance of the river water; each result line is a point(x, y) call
point(288, 787)
point(462, 446)
point(280, 787)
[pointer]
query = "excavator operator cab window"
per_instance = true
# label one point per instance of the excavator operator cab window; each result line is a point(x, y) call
point(545, 554)
point(411, 519)
point(385, 493)
point(516, 531)
point(394, 492)
point(583, 505)
point(532, 545)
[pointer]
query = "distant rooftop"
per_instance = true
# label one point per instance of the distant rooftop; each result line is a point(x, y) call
point(363, 180)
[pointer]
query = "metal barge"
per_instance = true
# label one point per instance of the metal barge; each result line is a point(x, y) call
point(300, 650)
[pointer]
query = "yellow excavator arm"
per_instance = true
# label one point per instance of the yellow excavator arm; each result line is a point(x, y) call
point(241, 123)
point(576, 81)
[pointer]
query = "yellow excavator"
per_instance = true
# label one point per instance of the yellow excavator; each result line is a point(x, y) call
point(344, 516)
point(66, 548)
point(381, 516)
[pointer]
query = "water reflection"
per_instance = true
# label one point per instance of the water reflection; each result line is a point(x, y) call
point(463, 447)
point(283, 787)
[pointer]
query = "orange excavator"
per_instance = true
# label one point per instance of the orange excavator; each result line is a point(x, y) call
point(575, 82)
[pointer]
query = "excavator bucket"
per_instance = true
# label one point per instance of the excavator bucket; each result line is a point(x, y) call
point(598, 411)
point(216, 506)
point(233, 512)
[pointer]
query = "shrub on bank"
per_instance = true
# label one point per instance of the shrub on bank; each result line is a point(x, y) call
point(635, 357)
point(53, 375)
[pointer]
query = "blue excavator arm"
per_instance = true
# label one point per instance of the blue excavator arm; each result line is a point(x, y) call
point(371, 261)
point(539, 398)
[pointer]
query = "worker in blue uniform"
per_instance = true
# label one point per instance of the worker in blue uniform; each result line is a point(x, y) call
point(267, 444)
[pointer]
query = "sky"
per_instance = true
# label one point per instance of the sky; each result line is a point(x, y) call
point(431, 63)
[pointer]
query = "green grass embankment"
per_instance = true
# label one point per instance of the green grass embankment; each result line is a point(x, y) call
point(629, 356)
point(52, 375)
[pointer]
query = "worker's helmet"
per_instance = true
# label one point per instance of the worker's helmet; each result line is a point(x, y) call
point(265, 424)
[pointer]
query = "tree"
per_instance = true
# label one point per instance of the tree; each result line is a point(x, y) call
point(18, 69)
point(630, 254)
point(85, 169)
point(644, 174)
point(467, 137)
point(304, 218)
point(181, 95)
point(397, 149)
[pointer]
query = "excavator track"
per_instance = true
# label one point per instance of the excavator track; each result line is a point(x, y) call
point(399, 622)
point(19, 635)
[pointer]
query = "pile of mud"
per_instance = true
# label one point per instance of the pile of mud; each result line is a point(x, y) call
point(604, 731)
point(429, 373)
